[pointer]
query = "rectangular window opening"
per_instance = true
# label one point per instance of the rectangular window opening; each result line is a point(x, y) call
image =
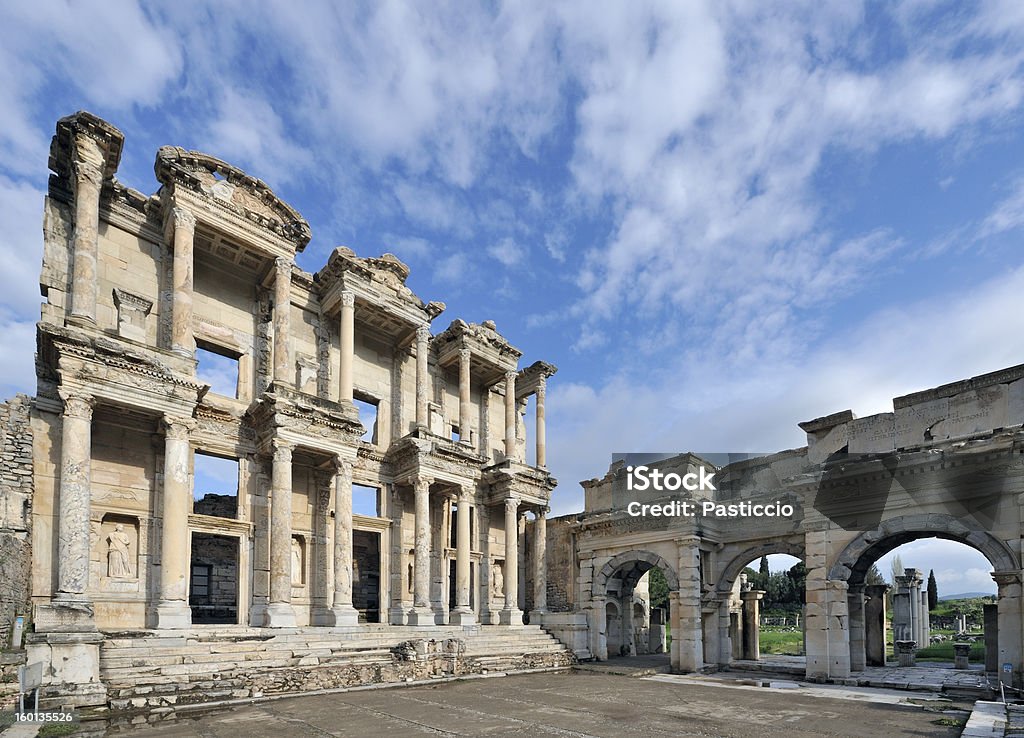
point(367, 408)
point(215, 491)
point(365, 501)
point(218, 367)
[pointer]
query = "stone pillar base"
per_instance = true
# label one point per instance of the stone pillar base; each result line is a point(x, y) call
point(347, 615)
point(174, 615)
point(71, 668)
point(398, 615)
point(421, 617)
point(906, 651)
point(462, 617)
point(961, 658)
point(65, 616)
point(280, 615)
point(510, 617)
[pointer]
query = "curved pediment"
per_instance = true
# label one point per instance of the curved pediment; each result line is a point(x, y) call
point(230, 187)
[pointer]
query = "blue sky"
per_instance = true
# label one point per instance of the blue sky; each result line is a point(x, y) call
point(718, 219)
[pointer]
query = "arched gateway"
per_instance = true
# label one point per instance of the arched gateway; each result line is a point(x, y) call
point(947, 463)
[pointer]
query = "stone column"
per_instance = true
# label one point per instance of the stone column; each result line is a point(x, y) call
point(422, 351)
point(902, 611)
point(279, 612)
point(344, 612)
point(421, 614)
point(688, 623)
point(855, 604)
point(599, 628)
point(724, 655)
point(182, 341)
point(283, 371)
point(88, 171)
point(463, 613)
point(347, 345)
point(752, 624)
point(875, 624)
point(74, 505)
point(510, 415)
point(1008, 605)
point(826, 630)
point(542, 453)
point(464, 397)
point(173, 611)
point(511, 614)
point(926, 625)
point(906, 652)
point(991, 637)
point(540, 569)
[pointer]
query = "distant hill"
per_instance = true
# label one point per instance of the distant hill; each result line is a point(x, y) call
point(965, 595)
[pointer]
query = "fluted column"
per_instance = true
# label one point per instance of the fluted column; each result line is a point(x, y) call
point(88, 170)
point(75, 502)
point(173, 611)
point(347, 344)
point(422, 349)
point(542, 454)
point(279, 612)
point(540, 570)
point(282, 322)
point(344, 612)
point(511, 614)
point(464, 406)
point(463, 613)
point(510, 414)
point(182, 341)
point(421, 613)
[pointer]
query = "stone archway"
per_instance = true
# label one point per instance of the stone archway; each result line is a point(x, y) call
point(626, 567)
point(853, 562)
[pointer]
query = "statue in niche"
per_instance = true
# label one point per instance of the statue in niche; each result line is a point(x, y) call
point(497, 581)
point(118, 553)
point(296, 562)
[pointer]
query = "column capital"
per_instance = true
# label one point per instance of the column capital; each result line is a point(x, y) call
point(420, 481)
point(465, 493)
point(283, 266)
point(178, 429)
point(77, 404)
point(183, 218)
point(348, 299)
point(1006, 578)
point(423, 333)
point(510, 375)
point(541, 512)
point(542, 385)
point(282, 451)
point(512, 503)
point(343, 468)
point(464, 353)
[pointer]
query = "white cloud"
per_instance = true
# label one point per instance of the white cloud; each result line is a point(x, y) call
point(507, 252)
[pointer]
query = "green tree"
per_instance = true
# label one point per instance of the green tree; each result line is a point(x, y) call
point(933, 590)
point(874, 576)
point(762, 569)
point(658, 588)
point(897, 568)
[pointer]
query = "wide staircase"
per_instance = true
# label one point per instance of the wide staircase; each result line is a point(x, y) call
point(158, 669)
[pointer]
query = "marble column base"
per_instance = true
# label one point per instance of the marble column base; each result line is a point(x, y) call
point(421, 616)
point(173, 614)
point(462, 616)
point(510, 617)
point(345, 615)
point(280, 615)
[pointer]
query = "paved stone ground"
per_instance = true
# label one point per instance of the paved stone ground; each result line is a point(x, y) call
point(561, 704)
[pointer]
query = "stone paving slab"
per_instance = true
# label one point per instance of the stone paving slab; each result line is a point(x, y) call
point(580, 704)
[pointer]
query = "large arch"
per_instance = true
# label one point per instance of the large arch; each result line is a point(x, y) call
point(732, 570)
point(618, 562)
point(857, 557)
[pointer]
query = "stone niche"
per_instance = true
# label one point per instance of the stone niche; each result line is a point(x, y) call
point(118, 549)
point(132, 311)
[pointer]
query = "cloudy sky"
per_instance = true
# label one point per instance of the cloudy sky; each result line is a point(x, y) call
point(717, 219)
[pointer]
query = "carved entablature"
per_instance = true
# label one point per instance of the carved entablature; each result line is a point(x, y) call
point(228, 189)
point(283, 414)
point(533, 379)
point(491, 356)
point(510, 479)
point(66, 155)
point(418, 457)
point(382, 299)
point(117, 372)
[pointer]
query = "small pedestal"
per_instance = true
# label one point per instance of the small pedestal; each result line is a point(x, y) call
point(961, 658)
point(906, 652)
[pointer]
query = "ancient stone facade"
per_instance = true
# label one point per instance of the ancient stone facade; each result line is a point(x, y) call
point(947, 462)
point(15, 513)
point(335, 380)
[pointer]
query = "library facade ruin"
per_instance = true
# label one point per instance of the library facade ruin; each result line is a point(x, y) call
point(178, 335)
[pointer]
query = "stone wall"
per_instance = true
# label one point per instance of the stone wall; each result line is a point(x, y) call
point(561, 564)
point(15, 512)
